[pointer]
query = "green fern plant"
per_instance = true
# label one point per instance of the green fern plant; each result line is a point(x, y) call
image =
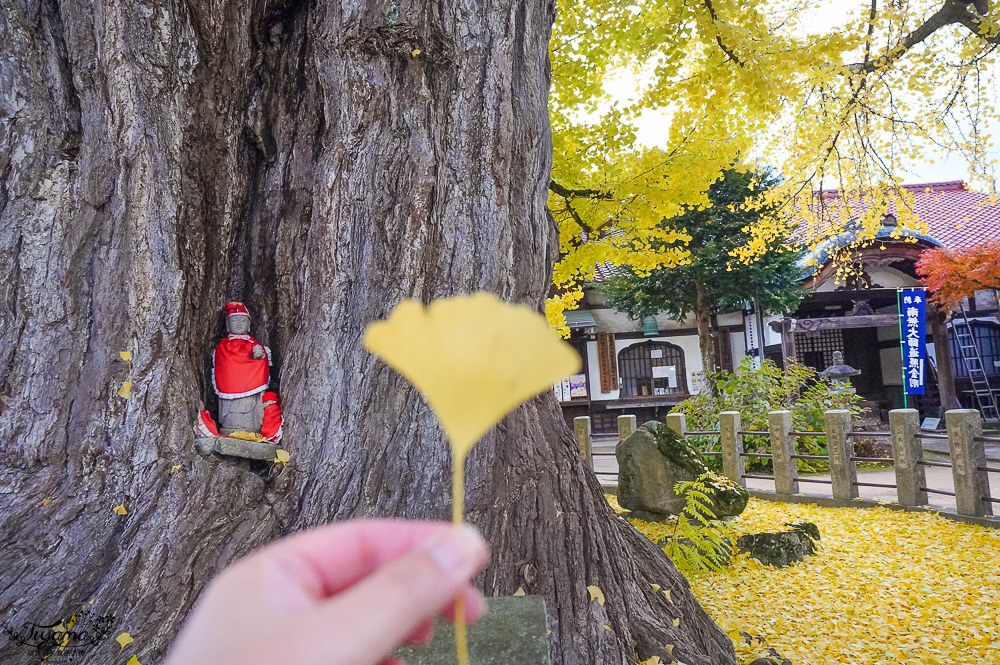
point(700, 542)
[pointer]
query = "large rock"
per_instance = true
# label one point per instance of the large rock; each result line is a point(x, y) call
point(782, 548)
point(652, 460)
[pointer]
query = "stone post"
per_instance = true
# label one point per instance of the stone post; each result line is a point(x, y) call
point(581, 430)
point(731, 442)
point(971, 483)
point(843, 470)
point(626, 425)
point(907, 452)
point(677, 422)
point(786, 472)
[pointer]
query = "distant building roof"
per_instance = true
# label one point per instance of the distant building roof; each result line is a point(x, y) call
point(580, 318)
point(955, 215)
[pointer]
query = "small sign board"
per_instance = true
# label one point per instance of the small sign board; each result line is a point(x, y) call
point(930, 423)
point(668, 372)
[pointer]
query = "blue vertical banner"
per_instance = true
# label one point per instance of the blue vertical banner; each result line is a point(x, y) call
point(913, 339)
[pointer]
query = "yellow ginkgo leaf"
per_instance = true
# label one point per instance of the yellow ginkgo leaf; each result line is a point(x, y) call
point(125, 355)
point(281, 456)
point(126, 389)
point(474, 358)
point(656, 587)
point(124, 640)
point(670, 649)
point(134, 660)
point(667, 595)
point(520, 591)
point(120, 509)
point(607, 627)
point(247, 436)
point(596, 594)
point(677, 622)
point(175, 467)
point(415, 52)
point(46, 502)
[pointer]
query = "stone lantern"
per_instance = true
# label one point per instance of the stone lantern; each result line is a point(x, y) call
point(839, 374)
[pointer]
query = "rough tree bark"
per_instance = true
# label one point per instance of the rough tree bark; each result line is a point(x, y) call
point(159, 158)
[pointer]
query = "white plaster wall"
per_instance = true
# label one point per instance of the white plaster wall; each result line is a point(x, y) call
point(986, 299)
point(771, 337)
point(730, 319)
point(611, 320)
point(687, 343)
point(739, 347)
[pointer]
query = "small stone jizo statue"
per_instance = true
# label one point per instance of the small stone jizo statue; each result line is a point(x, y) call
point(241, 372)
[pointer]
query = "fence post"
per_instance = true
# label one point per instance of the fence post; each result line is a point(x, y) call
point(907, 453)
point(843, 470)
point(677, 422)
point(731, 442)
point(626, 425)
point(786, 472)
point(582, 432)
point(967, 455)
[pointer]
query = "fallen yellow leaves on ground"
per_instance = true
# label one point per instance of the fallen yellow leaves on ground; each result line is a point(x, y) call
point(885, 587)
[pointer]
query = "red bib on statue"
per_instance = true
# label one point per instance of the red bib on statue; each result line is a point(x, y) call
point(237, 372)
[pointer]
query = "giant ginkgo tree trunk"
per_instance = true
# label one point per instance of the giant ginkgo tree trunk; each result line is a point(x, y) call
point(320, 161)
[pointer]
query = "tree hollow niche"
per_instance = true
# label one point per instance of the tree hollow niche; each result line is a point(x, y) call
point(242, 421)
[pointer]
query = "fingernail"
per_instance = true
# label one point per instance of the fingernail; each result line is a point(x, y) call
point(457, 548)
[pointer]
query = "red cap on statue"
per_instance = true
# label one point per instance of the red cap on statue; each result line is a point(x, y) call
point(233, 308)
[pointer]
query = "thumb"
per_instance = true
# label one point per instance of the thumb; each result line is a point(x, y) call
point(365, 623)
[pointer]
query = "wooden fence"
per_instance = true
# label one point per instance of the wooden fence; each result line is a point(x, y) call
point(966, 449)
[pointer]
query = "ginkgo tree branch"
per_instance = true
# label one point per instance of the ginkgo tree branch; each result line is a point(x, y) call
point(569, 193)
point(718, 38)
point(952, 12)
point(975, 25)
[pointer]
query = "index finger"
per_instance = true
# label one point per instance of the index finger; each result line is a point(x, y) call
point(326, 560)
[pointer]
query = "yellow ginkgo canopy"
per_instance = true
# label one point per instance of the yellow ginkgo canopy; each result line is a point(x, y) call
point(474, 358)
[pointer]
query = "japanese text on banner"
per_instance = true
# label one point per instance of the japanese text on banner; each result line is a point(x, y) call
point(913, 312)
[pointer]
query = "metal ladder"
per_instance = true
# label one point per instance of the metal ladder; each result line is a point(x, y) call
point(982, 396)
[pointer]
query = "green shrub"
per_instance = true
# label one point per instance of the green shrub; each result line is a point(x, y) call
point(754, 392)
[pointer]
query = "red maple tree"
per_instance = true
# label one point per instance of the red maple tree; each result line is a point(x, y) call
point(953, 274)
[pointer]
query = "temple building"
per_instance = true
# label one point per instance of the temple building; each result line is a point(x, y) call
point(646, 367)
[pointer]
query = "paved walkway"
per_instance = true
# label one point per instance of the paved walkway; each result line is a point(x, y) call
point(606, 467)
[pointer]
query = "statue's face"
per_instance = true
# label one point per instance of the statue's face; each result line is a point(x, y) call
point(238, 324)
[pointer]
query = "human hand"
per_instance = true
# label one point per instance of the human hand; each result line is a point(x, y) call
point(257, 352)
point(343, 594)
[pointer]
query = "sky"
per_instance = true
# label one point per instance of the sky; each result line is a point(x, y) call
point(652, 127)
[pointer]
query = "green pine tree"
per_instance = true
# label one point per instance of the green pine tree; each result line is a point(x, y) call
point(713, 280)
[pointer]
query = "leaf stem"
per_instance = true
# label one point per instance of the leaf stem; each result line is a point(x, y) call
point(457, 517)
